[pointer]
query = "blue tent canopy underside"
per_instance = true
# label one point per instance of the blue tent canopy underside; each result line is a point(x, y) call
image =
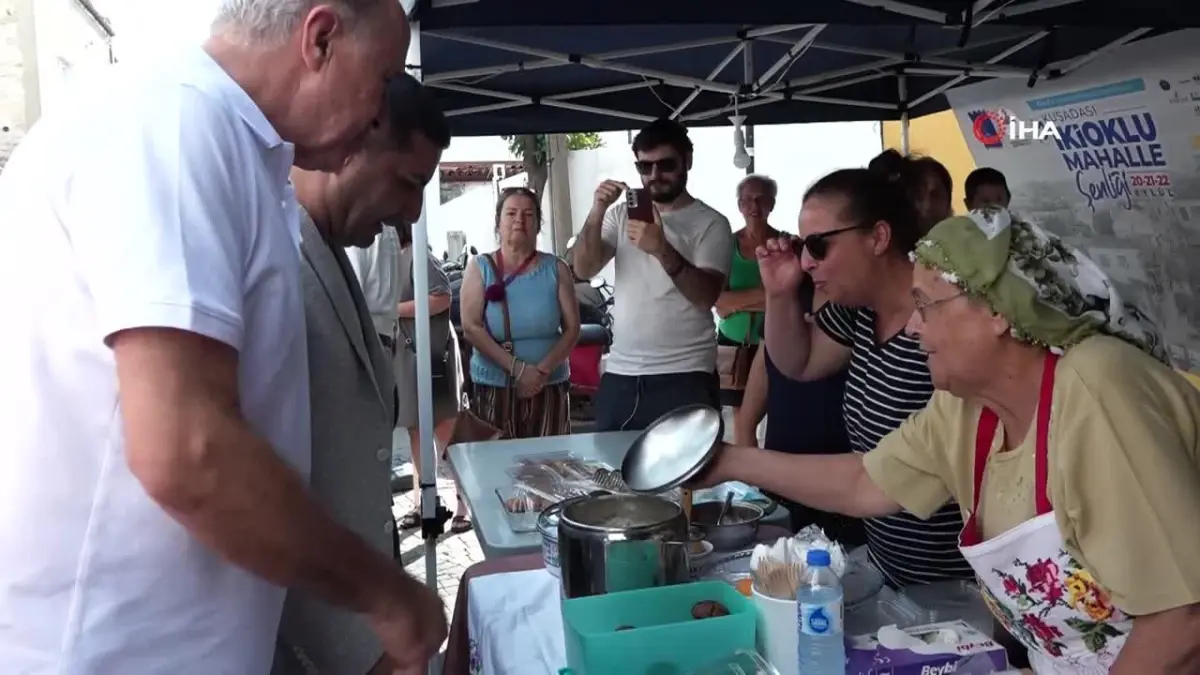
point(493, 78)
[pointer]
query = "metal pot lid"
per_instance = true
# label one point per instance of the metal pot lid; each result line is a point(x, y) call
point(673, 449)
point(619, 513)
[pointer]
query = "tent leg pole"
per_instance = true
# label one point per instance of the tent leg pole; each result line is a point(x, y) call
point(431, 521)
point(902, 83)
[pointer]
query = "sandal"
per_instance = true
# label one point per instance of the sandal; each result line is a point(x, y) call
point(410, 520)
point(460, 524)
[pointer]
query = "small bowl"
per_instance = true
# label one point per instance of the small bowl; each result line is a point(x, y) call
point(699, 550)
point(739, 530)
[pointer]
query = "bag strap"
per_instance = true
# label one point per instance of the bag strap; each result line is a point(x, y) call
point(750, 327)
point(507, 342)
point(510, 401)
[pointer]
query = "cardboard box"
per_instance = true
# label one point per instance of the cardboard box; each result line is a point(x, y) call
point(931, 649)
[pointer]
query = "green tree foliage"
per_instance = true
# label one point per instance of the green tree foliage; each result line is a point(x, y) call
point(532, 150)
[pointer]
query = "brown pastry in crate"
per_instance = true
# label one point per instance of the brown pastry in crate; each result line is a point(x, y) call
point(709, 609)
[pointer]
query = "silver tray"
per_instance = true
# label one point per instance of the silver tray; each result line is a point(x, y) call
point(862, 580)
point(724, 565)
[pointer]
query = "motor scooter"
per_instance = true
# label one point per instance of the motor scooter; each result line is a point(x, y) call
point(595, 338)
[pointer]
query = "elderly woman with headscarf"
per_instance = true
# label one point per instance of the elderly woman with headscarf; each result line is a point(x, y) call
point(1069, 442)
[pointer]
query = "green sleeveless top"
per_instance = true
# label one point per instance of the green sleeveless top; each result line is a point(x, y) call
point(743, 274)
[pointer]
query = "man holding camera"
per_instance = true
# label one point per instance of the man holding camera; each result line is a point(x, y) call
point(670, 267)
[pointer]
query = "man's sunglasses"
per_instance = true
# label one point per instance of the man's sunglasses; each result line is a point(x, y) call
point(645, 167)
point(818, 244)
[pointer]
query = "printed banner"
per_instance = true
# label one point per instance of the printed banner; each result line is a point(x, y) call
point(1108, 157)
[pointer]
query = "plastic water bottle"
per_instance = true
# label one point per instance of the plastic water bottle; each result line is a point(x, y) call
point(822, 650)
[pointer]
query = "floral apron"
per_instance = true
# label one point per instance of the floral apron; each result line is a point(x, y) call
point(1035, 589)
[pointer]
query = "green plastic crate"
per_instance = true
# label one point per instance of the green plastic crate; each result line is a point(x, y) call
point(665, 639)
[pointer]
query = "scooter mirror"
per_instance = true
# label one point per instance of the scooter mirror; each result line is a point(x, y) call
point(598, 282)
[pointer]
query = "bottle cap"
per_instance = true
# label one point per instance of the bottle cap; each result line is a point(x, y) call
point(817, 557)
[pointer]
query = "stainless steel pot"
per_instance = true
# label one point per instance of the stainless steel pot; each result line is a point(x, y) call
point(547, 526)
point(621, 542)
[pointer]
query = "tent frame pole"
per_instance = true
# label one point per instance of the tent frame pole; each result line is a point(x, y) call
point(806, 89)
point(432, 522)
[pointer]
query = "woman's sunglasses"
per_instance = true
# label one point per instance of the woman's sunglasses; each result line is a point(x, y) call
point(510, 191)
point(818, 244)
point(645, 167)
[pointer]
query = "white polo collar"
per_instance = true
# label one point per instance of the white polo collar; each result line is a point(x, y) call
point(210, 76)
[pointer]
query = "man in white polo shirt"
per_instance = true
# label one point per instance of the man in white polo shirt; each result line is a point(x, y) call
point(156, 440)
point(669, 275)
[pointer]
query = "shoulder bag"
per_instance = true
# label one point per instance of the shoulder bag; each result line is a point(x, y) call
point(469, 427)
point(734, 361)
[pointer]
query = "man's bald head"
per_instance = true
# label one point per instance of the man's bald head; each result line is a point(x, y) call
point(317, 68)
point(265, 21)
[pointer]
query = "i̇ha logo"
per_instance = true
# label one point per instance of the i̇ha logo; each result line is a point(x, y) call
point(993, 127)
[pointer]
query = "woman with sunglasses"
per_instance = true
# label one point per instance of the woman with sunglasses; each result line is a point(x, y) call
point(857, 229)
point(520, 313)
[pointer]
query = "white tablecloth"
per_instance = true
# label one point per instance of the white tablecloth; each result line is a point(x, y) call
point(515, 624)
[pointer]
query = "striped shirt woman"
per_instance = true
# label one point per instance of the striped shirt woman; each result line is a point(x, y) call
point(857, 229)
point(887, 382)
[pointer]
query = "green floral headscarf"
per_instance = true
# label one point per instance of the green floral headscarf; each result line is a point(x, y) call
point(1051, 293)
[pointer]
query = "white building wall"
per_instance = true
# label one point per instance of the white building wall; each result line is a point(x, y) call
point(43, 44)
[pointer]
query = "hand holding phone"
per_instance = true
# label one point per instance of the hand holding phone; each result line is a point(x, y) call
point(640, 205)
point(644, 228)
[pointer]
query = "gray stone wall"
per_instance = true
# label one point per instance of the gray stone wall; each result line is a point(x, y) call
point(12, 85)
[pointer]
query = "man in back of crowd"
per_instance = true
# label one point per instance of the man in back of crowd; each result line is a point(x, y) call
point(986, 186)
point(350, 374)
point(377, 273)
point(443, 352)
point(669, 272)
point(155, 459)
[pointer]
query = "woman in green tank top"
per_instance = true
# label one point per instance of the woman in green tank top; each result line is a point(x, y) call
point(741, 305)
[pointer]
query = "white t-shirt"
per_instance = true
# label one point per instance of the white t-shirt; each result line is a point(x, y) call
point(378, 270)
point(655, 329)
point(157, 198)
